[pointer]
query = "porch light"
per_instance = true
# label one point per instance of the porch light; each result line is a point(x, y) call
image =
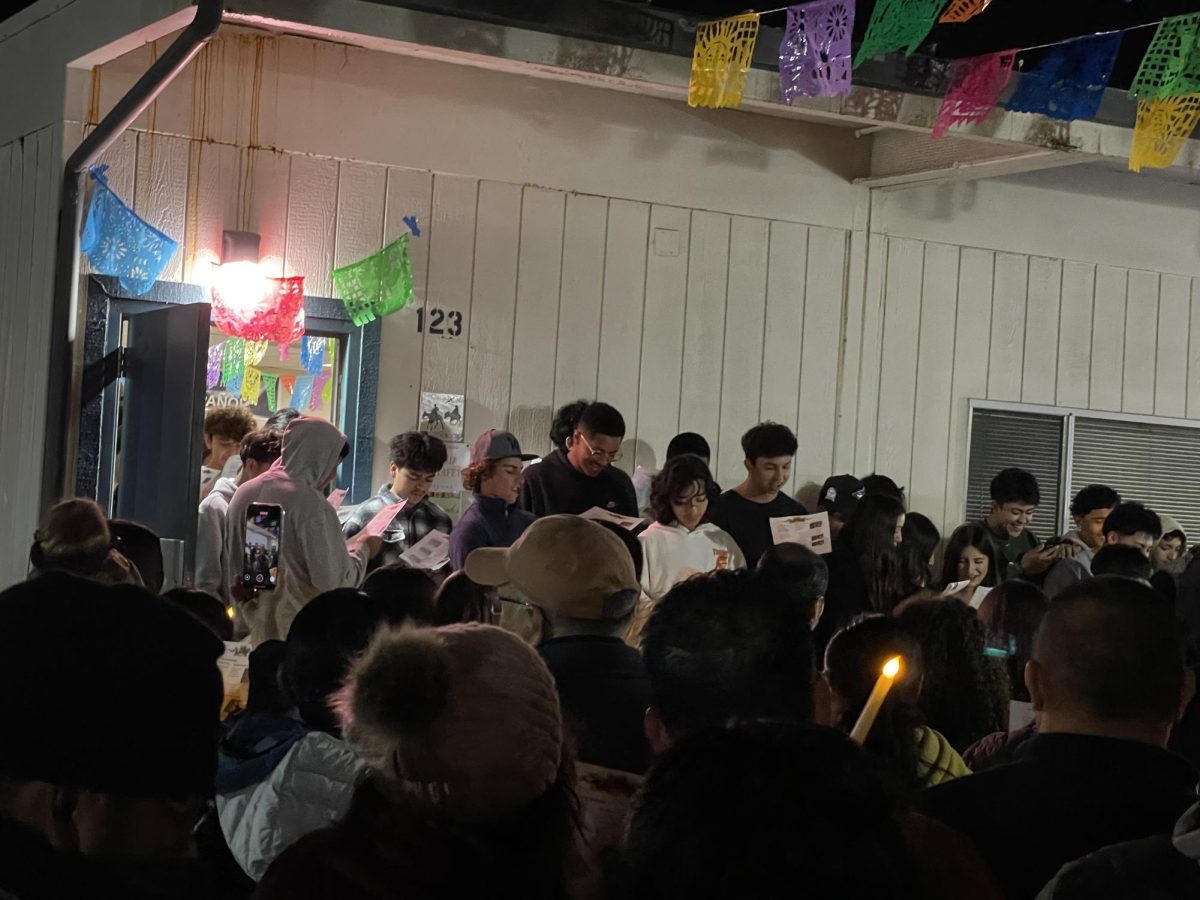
point(246, 303)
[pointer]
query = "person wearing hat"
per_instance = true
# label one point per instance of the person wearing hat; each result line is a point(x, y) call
point(468, 788)
point(494, 477)
point(582, 578)
point(839, 496)
point(112, 698)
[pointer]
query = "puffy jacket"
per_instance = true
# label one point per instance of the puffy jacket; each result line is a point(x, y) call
point(313, 555)
point(310, 789)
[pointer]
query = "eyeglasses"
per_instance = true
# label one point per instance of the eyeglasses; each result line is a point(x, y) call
point(598, 455)
point(694, 501)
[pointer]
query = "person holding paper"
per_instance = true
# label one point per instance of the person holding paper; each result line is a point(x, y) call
point(972, 556)
point(745, 512)
point(258, 452)
point(866, 573)
point(314, 557)
point(417, 457)
point(574, 480)
point(681, 542)
point(495, 478)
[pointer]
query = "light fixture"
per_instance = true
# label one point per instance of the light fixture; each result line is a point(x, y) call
point(249, 305)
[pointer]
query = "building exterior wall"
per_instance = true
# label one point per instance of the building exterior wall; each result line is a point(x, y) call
point(699, 269)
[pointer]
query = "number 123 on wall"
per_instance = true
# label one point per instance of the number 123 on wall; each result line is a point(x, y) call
point(442, 322)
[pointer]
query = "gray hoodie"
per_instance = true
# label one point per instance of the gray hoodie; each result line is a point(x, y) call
point(1071, 570)
point(313, 555)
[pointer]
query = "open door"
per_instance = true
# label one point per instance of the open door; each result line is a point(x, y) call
point(162, 415)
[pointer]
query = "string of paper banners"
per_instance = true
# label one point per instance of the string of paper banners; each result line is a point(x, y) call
point(815, 60)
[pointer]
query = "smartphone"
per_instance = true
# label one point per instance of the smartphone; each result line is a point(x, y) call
point(1053, 542)
point(260, 555)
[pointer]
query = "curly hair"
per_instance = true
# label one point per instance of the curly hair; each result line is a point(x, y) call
point(677, 475)
point(473, 475)
point(231, 423)
point(965, 694)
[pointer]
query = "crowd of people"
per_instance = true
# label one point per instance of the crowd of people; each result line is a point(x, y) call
point(615, 687)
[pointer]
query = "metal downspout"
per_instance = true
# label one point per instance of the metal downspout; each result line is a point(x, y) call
point(66, 258)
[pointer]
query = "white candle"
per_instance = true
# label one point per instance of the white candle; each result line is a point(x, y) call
point(879, 693)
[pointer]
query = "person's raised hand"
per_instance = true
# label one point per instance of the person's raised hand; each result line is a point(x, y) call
point(1039, 559)
point(368, 544)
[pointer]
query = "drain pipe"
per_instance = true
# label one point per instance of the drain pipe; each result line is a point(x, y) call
point(59, 405)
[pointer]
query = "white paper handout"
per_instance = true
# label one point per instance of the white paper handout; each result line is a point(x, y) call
point(336, 497)
point(978, 597)
point(811, 531)
point(430, 552)
point(233, 664)
point(629, 523)
point(954, 587)
point(378, 525)
point(1019, 715)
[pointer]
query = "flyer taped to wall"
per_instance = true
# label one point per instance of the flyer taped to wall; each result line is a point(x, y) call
point(810, 531)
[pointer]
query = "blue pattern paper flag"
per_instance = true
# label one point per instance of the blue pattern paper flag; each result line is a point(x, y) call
point(312, 354)
point(1069, 83)
point(302, 395)
point(118, 242)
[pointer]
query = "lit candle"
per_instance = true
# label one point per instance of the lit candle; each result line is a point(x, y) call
point(879, 693)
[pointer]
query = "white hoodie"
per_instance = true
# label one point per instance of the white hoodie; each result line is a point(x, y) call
point(313, 556)
point(212, 574)
point(671, 554)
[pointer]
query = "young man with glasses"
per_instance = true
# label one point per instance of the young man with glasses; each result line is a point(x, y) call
point(583, 476)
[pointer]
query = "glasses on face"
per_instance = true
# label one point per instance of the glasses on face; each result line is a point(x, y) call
point(598, 455)
point(694, 501)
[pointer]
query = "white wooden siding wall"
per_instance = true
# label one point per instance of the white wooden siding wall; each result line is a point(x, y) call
point(954, 323)
point(30, 173)
point(683, 319)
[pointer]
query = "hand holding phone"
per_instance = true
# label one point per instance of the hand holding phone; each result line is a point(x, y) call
point(260, 554)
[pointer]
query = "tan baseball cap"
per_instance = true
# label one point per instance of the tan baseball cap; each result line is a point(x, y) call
point(564, 564)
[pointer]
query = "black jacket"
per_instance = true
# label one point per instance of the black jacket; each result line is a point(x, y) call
point(554, 487)
point(604, 691)
point(1067, 795)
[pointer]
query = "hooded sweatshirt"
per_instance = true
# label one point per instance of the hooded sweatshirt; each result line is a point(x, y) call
point(671, 553)
point(212, 574)
point(1071, 570)
point(313, 555)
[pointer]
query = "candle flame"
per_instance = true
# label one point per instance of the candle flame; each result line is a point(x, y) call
point(229, 612)
point(891, 668)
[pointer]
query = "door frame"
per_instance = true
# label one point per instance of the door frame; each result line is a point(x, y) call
point(108, 302)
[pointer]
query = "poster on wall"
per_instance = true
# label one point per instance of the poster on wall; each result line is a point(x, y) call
point(442, 415)
point(449, 479)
